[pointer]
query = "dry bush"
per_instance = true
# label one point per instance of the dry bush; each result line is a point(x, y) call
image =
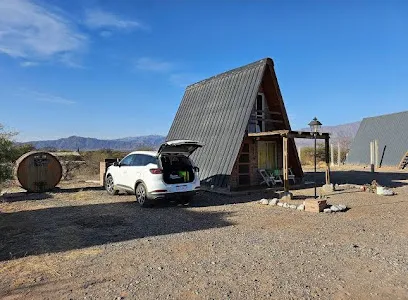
point(93, 158)
point(70, 168)
point(307, 155)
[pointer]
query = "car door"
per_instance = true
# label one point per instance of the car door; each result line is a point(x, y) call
point(123, 170)
point(134, 170)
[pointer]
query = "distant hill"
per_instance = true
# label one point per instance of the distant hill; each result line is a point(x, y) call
point(337, 133)
point(83, 143)
point(345, 131)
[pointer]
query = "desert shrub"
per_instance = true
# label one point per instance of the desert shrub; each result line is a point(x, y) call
point(93, 158)
point(70, 168)
point(307, 155)
point(6, 163)
point(9, 153)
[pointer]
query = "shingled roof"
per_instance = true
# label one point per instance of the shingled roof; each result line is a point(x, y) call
point(215, 112)
point(390, 131)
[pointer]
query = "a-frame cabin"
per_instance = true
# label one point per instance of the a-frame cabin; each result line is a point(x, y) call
point(228, 113)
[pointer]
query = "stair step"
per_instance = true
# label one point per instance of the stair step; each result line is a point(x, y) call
point(404, 161)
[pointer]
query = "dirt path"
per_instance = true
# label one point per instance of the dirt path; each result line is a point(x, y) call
point(83, 244)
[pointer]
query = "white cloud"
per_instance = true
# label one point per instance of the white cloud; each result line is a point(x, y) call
point(45, 97)
point(32, 32)
point(150, 64)
point(98, 19)
point(27, 64)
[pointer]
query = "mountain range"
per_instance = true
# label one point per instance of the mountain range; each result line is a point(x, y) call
point(339, 132)
point(86, 143)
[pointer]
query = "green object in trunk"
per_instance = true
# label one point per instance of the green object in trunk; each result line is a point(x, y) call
point(184, 175)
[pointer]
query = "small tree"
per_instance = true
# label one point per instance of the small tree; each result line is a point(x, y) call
point(9, 153)
point(69, 167)
point(307, 154)
point(6, 166)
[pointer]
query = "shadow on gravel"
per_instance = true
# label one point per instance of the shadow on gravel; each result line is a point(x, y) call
point(24, 196)
point(77, 189)
point(74, 227)
point(360, 177)
point(27, 196)
point(205, 199)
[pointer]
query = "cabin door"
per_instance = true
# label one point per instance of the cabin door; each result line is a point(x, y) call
point(267, 155)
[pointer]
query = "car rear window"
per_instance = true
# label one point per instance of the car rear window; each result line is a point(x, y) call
point(147, 159)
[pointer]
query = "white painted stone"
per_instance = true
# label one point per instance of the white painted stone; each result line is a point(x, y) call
point(328, 188)
point(273, 201)
point(327, 210)
point(280, 204)
point(342, 207)
point(264, 201)
point(334, 208)
point(285, 205)
point(293, 206)
point(301, 207)
point(384, 191)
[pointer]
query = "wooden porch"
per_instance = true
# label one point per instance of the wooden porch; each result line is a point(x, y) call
point(289, 134)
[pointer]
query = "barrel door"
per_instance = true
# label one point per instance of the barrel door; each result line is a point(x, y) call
point(38, 171)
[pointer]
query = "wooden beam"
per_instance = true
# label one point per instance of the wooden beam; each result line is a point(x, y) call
point(267, 120)
point(268, 112)
point(290, 134)
point(306, 135)
point(285, 165)
point(268, 133)
point(326, 148)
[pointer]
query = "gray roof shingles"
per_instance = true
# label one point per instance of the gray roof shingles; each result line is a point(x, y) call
point(390, 130)
point(215, 112)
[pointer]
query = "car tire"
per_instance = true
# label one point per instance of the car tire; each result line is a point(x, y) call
point(110, 186)
point(185, 200)
point(141, 195)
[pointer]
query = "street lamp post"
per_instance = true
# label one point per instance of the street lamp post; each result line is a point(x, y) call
point(314, 128)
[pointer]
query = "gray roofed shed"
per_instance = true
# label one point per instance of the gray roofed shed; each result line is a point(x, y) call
point(390, 130)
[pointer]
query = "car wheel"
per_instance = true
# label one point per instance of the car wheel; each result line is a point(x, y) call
point(141, 195)
point(185, 200)
point(110, 186)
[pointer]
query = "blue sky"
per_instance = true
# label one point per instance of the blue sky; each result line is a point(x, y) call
point(110, 69)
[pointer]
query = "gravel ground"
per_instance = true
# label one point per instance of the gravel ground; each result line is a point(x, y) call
point(80, 243)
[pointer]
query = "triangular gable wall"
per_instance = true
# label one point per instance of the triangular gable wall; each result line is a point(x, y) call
point(293, 156)
point(216, 112)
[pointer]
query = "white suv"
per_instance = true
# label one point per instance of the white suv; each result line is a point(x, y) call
point(152, 175)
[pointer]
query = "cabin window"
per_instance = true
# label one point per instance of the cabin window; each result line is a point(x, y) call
point(244, 158)
point(243, 169)
point(245, 148)
point(258, 115)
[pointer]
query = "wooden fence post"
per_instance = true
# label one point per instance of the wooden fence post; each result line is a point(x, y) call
point(332, 154)
point(285, 165)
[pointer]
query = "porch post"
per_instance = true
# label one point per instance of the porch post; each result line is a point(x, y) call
point(326, 148)
point(285, 164)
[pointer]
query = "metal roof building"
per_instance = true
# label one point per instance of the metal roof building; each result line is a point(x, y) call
point(217, 112)
point(390, 130)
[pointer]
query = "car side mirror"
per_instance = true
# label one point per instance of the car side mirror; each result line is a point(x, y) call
point(117, 163)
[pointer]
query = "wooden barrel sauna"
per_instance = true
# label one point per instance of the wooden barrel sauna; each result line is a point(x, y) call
point(38, 171)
